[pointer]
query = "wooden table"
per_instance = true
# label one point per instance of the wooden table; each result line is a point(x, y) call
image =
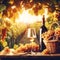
point(36, 56)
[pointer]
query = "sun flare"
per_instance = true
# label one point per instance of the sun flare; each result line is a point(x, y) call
point(25, 17)
point(28, 18)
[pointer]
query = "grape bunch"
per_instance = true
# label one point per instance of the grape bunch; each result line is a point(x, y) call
point(48, 35)
point(51, 34)
point(57, 33)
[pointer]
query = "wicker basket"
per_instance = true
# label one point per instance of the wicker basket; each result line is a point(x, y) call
point(52, 46)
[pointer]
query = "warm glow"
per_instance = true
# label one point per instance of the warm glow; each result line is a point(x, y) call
point(46, 13)
point(32, 40)
point(28, 16)
point(13, 7)
point(7, 18)
point(31, 0)
point(25, 17)
point(11, 1)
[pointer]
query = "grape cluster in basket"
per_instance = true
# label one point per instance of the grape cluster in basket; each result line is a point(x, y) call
point(52, 34)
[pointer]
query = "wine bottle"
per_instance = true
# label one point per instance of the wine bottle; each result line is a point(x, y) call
point(43, 29)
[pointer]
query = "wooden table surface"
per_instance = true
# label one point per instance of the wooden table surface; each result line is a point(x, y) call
point(34, 56)
point(27, 55)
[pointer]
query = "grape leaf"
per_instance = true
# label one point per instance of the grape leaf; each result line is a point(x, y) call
point(2, 7)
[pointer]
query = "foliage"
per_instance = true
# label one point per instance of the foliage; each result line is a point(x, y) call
point(2, 7)
point(17, 29)
point(4, 43)
point(1, 46)
point(50, 20)
point(36, 25)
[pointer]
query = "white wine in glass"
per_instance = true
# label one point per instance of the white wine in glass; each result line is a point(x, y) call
point(31, 35)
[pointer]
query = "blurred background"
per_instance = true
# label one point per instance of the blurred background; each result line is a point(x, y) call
point(16, 16)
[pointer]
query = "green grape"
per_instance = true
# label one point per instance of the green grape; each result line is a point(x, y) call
point(4, 43)
point(15, 46)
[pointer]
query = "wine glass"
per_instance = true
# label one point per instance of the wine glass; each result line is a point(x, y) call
point(31, 35)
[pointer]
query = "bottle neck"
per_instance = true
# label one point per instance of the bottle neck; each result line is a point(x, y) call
point(43, 20)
